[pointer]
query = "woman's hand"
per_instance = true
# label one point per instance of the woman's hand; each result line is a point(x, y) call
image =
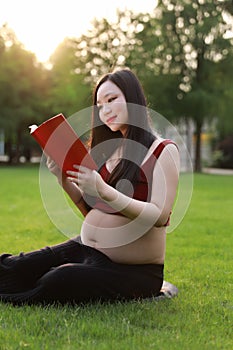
point(89, 181)
point(53, 167)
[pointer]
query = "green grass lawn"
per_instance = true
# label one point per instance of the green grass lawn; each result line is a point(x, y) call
point(199, 262)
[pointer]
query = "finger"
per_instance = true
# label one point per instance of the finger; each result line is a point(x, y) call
point(80, 168)
point(76, 166)
point(72, 179)
point(73, 173)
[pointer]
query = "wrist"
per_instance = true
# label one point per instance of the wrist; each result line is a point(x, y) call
point(104, 192)
point(61, 179)
point(114, 198)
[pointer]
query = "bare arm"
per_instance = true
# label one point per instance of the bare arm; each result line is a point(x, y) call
point(70, 188)
point(164, 186)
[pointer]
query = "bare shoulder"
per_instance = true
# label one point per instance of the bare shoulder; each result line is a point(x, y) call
point(171, 151)
point(169, 159)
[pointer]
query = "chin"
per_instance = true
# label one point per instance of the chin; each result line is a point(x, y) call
point(114, 129)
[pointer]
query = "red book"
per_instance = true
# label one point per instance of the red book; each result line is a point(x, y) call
point(59, 141)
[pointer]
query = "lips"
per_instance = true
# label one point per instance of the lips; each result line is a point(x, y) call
point(111, 119)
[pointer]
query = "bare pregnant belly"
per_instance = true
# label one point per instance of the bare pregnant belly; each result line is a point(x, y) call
point(123, 240)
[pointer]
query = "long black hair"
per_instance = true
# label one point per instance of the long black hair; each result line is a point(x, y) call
point(138, 130)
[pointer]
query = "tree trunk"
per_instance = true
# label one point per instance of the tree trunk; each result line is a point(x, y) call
point(189, 138)
point(18, 144)
point(9, 150)
point(198, 162)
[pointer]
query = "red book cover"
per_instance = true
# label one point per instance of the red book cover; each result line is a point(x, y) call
point(59, 140)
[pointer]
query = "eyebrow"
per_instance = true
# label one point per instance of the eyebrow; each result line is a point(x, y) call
point(107, 94)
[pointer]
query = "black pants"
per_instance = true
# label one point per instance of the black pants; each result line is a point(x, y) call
point(74, 273)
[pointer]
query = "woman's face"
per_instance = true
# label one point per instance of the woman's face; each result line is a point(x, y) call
point(112, 107)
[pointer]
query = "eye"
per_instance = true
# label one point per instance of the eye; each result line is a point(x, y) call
point(111, 99)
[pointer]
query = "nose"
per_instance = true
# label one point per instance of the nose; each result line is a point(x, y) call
point(106, 108)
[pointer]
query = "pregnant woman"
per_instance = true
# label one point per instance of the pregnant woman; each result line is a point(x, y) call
point(127, 203)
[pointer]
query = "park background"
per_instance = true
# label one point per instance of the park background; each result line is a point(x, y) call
point(182, 52)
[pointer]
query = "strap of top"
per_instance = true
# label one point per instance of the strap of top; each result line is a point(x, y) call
point(161, 146)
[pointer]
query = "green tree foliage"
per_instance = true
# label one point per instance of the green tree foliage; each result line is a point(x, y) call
point(178, 52)
point(224, 100)
point(31, 93)
point(23, 90)
point(182, 53)
point(106, 45)
point(69, 92)
point(187, 40)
